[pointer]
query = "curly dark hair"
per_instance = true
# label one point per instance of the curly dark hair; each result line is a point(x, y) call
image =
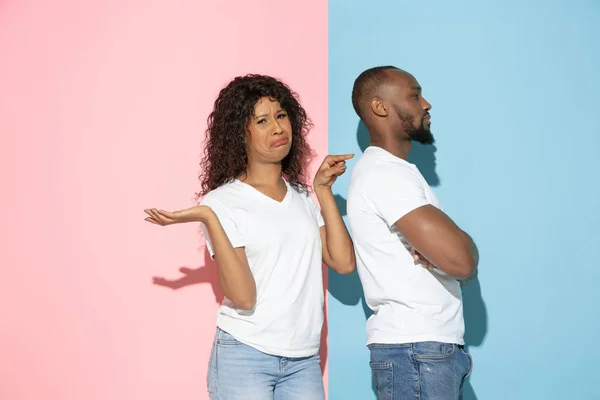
point(225, 157)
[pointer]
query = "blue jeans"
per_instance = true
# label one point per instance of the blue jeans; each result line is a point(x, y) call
point(419, 371)
point(238, 371)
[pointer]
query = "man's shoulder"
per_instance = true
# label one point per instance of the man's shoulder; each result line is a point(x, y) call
point(371, 170)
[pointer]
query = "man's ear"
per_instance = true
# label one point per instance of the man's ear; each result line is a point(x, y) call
point(378, 107)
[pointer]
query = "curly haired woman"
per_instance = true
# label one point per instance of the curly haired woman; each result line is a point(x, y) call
point(268, 239)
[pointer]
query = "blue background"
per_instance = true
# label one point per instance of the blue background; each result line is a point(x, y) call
point(515, 88)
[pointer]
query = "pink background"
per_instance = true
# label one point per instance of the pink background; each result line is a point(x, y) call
point(102, 112)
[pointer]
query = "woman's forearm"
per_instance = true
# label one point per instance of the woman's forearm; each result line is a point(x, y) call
point(339, 245)
point(235, 277)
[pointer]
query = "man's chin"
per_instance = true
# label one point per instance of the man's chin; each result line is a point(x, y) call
point(424, 138)
point(429, 140)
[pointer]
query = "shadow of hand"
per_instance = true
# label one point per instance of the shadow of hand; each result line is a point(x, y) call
point(192, 276)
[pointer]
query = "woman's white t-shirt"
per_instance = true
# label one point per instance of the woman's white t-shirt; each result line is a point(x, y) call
point(283, 246)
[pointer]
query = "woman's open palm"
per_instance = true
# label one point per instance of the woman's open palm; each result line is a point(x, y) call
point(163, 218)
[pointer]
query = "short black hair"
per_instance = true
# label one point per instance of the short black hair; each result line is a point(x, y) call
point(367, 83)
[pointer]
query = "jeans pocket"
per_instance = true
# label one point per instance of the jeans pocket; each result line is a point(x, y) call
point(434, 350)
point(470, 363)
point(383, 375)
point(225, 339)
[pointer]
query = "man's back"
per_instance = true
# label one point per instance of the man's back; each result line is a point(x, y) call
point(410, 303)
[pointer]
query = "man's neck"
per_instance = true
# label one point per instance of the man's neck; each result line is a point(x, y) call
point(399, 148)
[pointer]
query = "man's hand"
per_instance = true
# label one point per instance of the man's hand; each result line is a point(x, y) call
point(419, 259)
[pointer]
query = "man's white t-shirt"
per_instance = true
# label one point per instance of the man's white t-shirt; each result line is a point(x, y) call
point(283, 245)
point(410, 303)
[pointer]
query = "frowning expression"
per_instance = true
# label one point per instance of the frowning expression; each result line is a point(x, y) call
point(269, 133)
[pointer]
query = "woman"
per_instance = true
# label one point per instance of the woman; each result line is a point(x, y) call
point(268, 239)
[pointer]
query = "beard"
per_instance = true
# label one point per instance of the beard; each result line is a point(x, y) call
point(418, 134)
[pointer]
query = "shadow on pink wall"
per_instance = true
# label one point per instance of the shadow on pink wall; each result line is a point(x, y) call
point(207, 273)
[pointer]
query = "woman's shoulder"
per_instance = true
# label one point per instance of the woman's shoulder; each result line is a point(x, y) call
point(298, 188)
point(222, 194)
point(303, 192)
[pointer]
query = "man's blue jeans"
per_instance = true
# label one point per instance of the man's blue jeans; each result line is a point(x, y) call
point(419, 371)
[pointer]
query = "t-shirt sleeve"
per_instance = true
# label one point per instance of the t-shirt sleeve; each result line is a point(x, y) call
point(394, 191)
point(227, 221)
point(315, 211)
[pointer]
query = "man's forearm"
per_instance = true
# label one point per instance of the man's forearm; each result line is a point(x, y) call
point(472, 247)
point(474, 252)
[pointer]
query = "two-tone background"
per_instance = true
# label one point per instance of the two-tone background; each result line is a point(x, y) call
point(102, 114)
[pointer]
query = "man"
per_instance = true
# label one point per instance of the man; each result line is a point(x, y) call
point(415, 335)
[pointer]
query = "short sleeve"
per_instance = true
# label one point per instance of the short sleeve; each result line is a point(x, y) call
point(315, 211)
point(227, 221)
point(394, 190)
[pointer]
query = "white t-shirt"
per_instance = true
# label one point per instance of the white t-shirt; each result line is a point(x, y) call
point(283, 246)
point(410, 303)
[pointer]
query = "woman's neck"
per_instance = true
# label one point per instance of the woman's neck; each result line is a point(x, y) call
point(259, 174)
